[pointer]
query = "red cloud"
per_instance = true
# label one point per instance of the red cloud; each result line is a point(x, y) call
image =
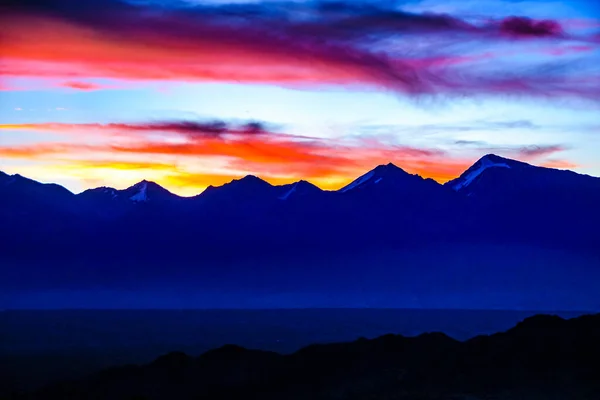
point(247, 147)
point(539, 151)
point(80, 85)
point(340, 44)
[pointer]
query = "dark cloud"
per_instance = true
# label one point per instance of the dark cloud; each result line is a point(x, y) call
point(310, 43)
point(214, 129)
point(541, 150)
point(523, 27)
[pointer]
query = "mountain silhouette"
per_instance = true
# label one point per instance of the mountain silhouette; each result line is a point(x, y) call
point(519, 235)
point(141, 192)
point(388, 174)
point(543, 357)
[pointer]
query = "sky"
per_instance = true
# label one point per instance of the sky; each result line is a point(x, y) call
point(196, 93)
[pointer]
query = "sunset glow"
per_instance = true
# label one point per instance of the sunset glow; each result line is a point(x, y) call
point(192, 95)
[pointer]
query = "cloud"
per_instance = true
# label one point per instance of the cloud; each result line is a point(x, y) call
point(245, 148)
point(559, 164)
point(80, 85)
point(524, 153)
point(125, 165)
point(187, 156)
point(524, 27)
point(517, 124)
point(188, 129)
point(444, 128)
point(288, 43)
point(478, 143)
point(539, 151)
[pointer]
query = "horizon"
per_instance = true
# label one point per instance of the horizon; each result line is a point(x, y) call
point(179, 175)
point(197, 93)
point(293, 182)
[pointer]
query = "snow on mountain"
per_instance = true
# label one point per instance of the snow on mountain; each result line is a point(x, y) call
point(386, 174)
point(252, 188)
point(146, 191)
point(495, 177)
point(142, 194)
point(356, 183)
point(110, 191)
point(297, 188)
point(472, 173)
point(289, 192)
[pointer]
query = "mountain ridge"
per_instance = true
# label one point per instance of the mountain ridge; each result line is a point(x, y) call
point(376, 172)
point(544, 356)
point(540, 224)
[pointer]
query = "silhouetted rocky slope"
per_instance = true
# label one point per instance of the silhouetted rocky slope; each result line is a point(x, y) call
point(543, 357)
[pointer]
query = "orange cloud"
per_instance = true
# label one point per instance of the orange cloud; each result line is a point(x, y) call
point(125, 165)
point(559, 164)
point(249, 148)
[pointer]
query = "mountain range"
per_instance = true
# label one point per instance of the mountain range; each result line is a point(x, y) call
point(388, 232)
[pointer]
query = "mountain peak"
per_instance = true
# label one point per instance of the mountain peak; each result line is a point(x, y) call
point(249, 185)
point(301, 187)
point(485, 163)
point(145, 190)
point(389, 167)
point(248, 181)
point(250, 178)
point(375, 176)
point(306, 184)
point(146, 183)
point(494, 157)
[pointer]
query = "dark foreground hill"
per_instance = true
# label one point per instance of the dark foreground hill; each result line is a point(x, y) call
point(543, 357)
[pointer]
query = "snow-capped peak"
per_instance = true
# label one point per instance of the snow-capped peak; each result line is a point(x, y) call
point(142, 194)
point(486, 162)
point(358, 181)
point(297, 188)
point(377, 175)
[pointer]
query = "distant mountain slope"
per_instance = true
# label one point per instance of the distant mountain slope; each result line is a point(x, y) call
point(141, 192)
point(30, 206)
point(298, 189)
point(389, 176)
point(249, 230)
point(493, 175)
point(543, 357)
point(528, 202)
point(497, 198)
